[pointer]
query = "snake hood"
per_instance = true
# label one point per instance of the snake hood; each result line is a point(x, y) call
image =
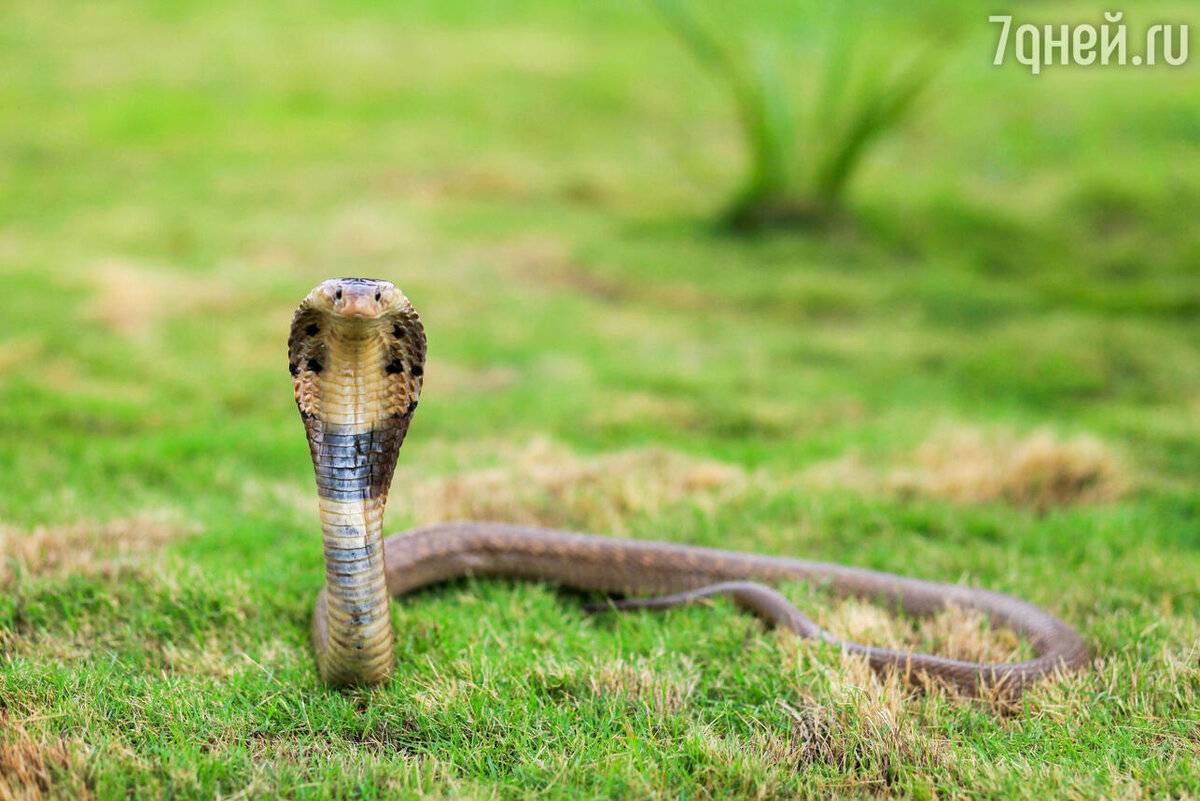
point(356, 353)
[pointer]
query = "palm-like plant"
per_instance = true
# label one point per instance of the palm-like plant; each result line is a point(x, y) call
point(802, 155)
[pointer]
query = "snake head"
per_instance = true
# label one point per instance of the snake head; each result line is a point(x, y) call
point(334, 316)
point(357, 298)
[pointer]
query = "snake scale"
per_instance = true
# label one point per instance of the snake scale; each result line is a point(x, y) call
point(356, 353)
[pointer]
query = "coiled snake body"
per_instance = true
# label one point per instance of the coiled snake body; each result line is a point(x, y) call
point(356, 354)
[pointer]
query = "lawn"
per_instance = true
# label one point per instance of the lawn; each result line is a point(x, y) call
point(988, 373)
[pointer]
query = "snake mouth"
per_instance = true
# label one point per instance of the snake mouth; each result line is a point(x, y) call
point(359, 306)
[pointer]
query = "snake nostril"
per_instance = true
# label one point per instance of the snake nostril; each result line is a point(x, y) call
point(338, 294)
point(377, 295)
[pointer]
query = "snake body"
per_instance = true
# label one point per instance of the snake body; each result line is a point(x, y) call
point(356, 354)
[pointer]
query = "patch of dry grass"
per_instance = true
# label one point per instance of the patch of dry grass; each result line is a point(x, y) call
point(847, 719)
point(954, 632)
point(663, 691)
point(545, 261)
point(640, 408)
point(368, 231)
point(82, 548)
point(1040, 470)
point(656, 683)
point(15, 352)
point(131, 297)
point(547, 485)
point(969, 465)
point(472, 182)
point(35, 766)
point(451, 379)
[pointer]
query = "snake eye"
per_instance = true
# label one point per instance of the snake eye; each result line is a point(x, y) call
point(377, 295)
point(338, 294)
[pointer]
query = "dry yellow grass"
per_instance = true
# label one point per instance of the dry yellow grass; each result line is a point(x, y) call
point(369, 230)
point(448, 185)
point(633, 408)
point(15, 352)
point(970, 465)
point(547, 485)
point(89, 548)
point(451, 379)
point(955, 633)
point(638, 681)
point(131, 297)
point(857, 722)
point(1040, 470)
point(34, 766)
point(545, 261)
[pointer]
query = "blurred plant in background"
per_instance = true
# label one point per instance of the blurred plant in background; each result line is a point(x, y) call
point(806, 137)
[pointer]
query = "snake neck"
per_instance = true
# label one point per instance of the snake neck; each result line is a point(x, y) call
point(353, 456)
point(358, 648)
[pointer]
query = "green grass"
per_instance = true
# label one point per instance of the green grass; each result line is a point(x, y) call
point(807, 126)
point(538, 177)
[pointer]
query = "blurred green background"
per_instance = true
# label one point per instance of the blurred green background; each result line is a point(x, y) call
point(986, 368)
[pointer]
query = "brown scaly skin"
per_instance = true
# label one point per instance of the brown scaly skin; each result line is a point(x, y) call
point(357, 353)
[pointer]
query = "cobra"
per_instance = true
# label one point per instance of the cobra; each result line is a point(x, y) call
point(357, 357)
